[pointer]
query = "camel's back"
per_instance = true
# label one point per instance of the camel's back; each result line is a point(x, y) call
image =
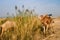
point(8, 24)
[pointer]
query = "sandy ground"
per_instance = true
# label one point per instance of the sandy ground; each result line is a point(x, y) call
point(56, 27)
point(56, 35)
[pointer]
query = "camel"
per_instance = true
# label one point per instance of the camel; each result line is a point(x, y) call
point(7, 25)
point(46, 21)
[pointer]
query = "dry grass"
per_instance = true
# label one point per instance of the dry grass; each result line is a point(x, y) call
point(29, 27)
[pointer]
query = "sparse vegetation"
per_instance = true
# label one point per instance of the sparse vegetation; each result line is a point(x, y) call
point(29, 27)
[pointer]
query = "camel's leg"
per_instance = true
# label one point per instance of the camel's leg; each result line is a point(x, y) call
point(52, 29)
point(44, 29)
point(47, 28)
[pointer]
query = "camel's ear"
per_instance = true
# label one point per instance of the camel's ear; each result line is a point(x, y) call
point(0, 29)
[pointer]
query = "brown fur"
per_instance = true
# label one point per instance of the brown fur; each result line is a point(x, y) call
point(46, 21)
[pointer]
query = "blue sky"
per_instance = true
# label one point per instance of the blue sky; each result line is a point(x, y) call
point(40, 6)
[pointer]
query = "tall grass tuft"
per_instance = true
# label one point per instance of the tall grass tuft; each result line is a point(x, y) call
point(28, 27)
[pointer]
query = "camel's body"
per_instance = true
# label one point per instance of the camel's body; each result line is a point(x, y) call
point(46, 21)
point(7, 25)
